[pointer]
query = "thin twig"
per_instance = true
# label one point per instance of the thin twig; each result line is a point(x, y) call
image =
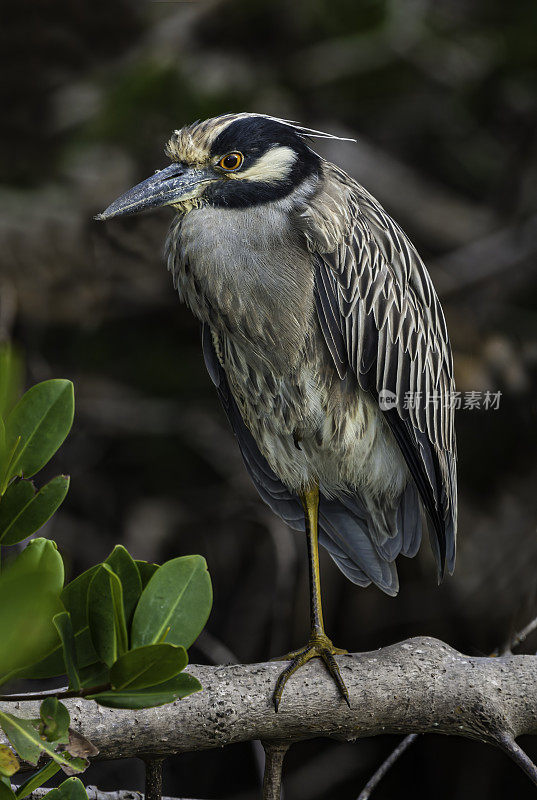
point(272, 781)
point(62, 693)
point(507, 743)
point(376, 778)
point(521, 636)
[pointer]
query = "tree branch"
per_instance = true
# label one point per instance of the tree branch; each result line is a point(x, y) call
point(153, 778)
point(507, 744)
point(386, 765)
point(417, 686)
point(517, 754)
point(272, 779)
point(96, 794)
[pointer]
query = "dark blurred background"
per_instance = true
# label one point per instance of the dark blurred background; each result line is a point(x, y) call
point(442, 99)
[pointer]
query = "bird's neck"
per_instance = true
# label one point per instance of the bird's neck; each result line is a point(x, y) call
point(247, 273)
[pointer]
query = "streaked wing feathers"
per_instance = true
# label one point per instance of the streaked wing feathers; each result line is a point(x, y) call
point(380, 317)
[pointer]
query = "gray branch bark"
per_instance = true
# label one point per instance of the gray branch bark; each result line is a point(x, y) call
point(272, 779)
point(417, 686)
point(96, 794)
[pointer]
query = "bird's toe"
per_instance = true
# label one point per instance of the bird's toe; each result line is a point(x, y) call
point(319, 646)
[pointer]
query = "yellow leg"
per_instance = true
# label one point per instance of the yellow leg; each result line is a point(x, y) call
point(310, 501)
point(319, 645)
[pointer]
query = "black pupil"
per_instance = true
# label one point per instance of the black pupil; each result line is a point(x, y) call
point(231, 161)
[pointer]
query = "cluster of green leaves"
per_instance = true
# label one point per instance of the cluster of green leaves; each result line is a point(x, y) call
point(125, 627)
point(31, 431)
point(119, 632)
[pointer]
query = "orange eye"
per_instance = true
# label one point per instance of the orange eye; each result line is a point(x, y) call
point(231, 162)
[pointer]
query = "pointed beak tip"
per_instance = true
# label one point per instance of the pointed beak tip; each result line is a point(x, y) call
point(108, 213)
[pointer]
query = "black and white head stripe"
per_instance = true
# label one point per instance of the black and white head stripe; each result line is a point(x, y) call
point(277, 158)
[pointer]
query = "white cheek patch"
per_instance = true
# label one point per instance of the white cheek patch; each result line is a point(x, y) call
point(274, 165)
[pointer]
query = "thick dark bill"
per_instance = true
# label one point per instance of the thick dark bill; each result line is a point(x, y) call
point(169, 185)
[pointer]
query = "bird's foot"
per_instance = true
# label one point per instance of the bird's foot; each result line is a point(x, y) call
point(319, 646)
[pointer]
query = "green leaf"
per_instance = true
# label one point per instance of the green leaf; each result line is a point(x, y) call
point(146, 570)
point(54, 725)
point(3, 448)
point(42, 418)
point(175, 604)
point(71, 789)
point(22, 735)
point(9, 763)
point(86, 655)
point(40, 556)
point(75, 597)
point(16, 497)
point(94, 675)
point(64, 627)
point(27, 607)
point(6, 792)
point(7, 460)
point(148, 666)
point(29, 599)
point(22, 512)
point(125, 568)
point(10, 377)
point(177, 688)
point(116, 588)
point(106, 615)
point(37, 779)
point(27, 742)
point(53, 663)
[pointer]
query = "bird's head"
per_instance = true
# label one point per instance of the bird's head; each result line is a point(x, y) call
point(233, 161)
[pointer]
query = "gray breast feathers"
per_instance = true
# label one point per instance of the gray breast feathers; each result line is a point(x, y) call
point(247, 273)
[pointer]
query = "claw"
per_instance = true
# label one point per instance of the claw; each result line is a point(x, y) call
point(333, 669)
point(319, 646)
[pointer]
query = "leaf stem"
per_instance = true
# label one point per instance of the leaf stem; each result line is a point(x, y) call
point(61, 693)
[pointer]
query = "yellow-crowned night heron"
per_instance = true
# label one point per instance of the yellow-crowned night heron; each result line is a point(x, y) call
point(326, 342)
